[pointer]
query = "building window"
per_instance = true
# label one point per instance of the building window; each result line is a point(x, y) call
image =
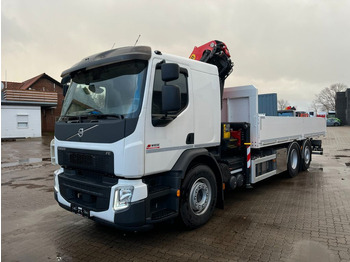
point(22, 121)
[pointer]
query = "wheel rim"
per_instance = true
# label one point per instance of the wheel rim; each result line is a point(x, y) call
point(294, 159)
point(307, 155)
point(200, 196)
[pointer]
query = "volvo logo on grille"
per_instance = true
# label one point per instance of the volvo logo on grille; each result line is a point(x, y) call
point(81, 132)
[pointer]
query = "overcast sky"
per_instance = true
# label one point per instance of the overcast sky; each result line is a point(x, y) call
point(293, 48)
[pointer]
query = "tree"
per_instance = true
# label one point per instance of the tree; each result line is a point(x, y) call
point(282, 104)
point(314, 106)
point(326, 98)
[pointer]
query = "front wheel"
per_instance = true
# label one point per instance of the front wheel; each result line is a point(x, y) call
point(199, 195)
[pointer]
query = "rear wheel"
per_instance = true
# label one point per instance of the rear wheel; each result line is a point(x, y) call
point(199, 195)
point(306, 155)
point(293, 163)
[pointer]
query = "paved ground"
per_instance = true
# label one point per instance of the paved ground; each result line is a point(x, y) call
point(306, 218)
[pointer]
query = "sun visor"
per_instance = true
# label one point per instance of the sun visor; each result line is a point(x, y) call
point(110, 57)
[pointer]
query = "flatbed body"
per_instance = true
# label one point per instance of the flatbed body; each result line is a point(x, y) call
point(267, 131)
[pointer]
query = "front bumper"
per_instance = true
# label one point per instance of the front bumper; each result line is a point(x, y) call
point(94, 198)
point(131, 219)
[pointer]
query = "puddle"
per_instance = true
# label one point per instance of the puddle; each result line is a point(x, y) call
point(315, 169)
point(308, 250)
point(340, 156)
point(27, 185)
point(25, 161)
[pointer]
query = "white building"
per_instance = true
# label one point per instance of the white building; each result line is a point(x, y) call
point(20, 121)
point(31, 107)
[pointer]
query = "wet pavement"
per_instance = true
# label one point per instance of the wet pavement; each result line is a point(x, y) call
point(306, 218)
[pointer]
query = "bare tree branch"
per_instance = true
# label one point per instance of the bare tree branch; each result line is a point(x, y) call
point(282, 104)
point(327, 96)
point(314, 105)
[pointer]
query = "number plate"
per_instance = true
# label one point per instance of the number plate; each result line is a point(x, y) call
point(80, 211)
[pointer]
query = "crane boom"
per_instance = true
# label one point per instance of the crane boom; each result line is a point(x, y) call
point(216, 53)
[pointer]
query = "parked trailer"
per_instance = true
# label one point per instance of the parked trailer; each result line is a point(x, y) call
point(140, 139)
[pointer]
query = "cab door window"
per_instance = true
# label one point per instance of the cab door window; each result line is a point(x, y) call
point(158, 117)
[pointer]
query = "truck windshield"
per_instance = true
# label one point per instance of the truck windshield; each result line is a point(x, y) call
point(113, 90)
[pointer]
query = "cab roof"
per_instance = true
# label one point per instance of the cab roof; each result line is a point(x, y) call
point(110, 57)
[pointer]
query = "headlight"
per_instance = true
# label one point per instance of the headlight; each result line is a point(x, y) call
point(52, 152)
point(55, 177)
point(122, 197)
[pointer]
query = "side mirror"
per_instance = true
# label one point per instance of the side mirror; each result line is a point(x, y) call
point(170, 72)
point(171, 98)
point(65, 83)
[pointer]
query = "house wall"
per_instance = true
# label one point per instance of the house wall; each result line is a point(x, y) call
point(45, 85)
point(49, 115)
point(20, 121)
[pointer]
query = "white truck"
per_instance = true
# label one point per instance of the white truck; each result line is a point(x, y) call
point(146, 137)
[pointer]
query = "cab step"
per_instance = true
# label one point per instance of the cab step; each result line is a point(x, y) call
point(163, 214)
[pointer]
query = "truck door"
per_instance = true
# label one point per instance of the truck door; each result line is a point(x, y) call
point(167, 136)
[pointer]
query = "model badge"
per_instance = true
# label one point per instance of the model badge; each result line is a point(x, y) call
point(152, 146)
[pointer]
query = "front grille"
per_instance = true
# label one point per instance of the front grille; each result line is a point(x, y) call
point(86, 191)
point(77, 158)
point(99, 161)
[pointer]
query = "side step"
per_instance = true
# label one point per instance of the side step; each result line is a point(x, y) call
point(163, 214)
point(158, 191)
point(162, 204)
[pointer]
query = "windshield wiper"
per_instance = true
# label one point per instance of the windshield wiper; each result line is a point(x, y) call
point(80, 118)
point(110, 115)
point(98, 114)
point(69, 118)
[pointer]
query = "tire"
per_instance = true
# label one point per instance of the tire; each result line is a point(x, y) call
point(199, 195)
point(293, 157)
point(336, 124)
point(306, 155)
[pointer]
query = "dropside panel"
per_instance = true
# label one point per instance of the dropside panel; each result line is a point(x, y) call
point(278, 130)
point(240, 104)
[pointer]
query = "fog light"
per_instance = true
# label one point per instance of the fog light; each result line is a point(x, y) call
point(122, 197)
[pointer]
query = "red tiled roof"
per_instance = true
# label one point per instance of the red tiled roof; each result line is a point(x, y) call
point(12, 85)
point(28, 83)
